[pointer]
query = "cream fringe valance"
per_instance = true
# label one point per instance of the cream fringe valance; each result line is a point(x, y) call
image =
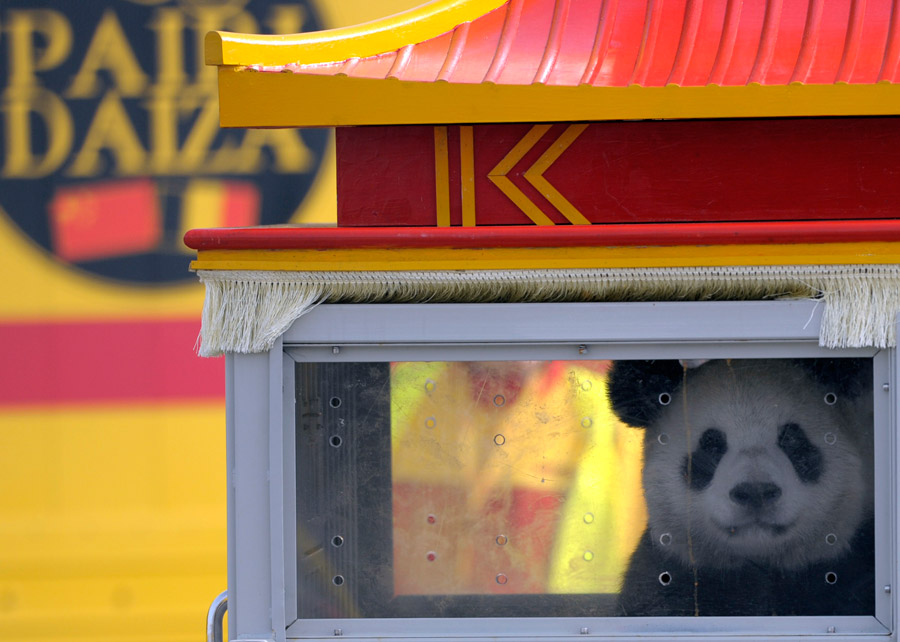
point(246, 311)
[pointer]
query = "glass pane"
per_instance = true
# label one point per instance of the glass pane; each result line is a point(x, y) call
point(574, 488)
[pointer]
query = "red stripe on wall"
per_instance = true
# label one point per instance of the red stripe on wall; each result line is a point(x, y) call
point(49, 363)
point(241, 206)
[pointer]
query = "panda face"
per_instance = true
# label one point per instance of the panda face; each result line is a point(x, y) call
point(755, 461)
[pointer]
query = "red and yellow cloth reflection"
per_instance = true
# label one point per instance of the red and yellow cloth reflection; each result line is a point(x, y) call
point(511, 477)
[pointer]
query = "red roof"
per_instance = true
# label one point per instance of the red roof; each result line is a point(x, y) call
point(651, 43)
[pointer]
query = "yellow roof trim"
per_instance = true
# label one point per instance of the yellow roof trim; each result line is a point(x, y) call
point(332, 45)
point(249, 98)
point(396, 259)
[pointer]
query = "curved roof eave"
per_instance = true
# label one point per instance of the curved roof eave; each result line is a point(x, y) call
point(359, 41)
point(456, 61)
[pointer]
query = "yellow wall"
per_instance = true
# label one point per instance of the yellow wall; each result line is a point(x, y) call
point(112, 511)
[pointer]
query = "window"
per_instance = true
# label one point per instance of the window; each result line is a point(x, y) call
point(471, 488)
point(551, 470)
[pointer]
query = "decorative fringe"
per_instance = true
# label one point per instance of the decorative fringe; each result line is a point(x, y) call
point(246, 311)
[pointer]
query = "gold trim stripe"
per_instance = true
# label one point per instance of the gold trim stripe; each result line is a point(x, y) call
point(548, 258)
point(535, 174)
point(255, 99)
point(467, 174)
point(442, 176)
point(498, 175)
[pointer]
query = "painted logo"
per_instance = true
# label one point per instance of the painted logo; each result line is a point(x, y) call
point(110, 146)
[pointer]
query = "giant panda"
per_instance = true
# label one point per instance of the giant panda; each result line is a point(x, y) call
point(758, 481)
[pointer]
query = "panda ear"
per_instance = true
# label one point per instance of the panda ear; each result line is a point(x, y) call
point(847, 378)
point(637, 389)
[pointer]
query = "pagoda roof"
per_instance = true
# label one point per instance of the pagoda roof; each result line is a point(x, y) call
point(467, 61)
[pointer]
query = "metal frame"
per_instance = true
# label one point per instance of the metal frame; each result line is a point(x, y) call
point(261, 494)
point(215, 618)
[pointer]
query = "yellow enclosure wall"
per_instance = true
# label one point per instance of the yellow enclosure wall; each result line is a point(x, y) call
point(112, 471)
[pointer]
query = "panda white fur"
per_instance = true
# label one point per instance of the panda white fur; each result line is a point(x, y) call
point(758, 482)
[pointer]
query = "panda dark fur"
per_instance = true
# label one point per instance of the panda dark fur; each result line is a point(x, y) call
point(758, 482)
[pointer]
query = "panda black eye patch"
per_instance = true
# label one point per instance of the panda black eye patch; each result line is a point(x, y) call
point(698, 468)
point(804, 456)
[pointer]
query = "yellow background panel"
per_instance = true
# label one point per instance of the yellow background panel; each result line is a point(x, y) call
point(112, 521)
point(112, 518)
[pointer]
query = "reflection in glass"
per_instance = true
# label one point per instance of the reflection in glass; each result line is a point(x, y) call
point(530, 465)
point(518, 488)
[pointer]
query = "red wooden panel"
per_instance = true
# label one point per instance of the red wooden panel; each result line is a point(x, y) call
point(492, 143)
point(618, 172)
point(557, 236)
point(454, 181)
point(385, 176)
point(733, 170)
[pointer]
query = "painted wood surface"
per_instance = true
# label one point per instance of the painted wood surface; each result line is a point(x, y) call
point(468, 61)
point(599, 43)
point(619, 172)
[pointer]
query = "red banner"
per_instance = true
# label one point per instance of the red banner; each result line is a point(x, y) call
point(619, 172)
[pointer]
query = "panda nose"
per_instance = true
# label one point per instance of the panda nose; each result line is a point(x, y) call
point(755, 494)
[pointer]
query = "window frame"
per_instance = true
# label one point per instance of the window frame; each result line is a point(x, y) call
point(261, 491)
